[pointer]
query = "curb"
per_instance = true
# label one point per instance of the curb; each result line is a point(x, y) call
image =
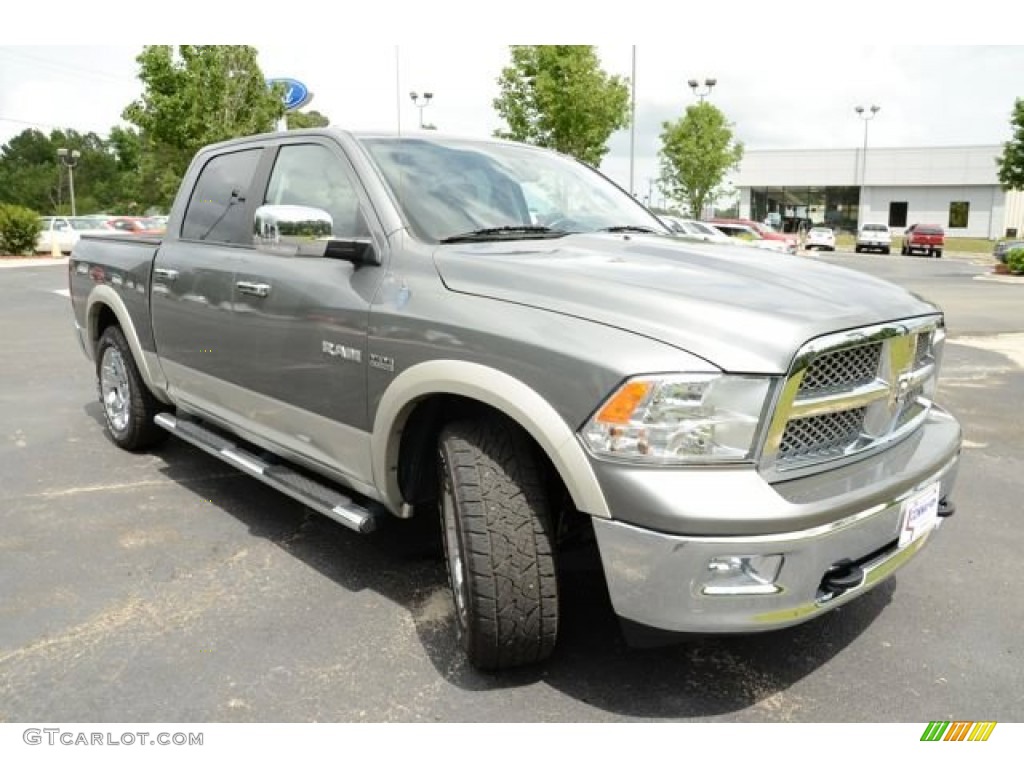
point(1004, 279)
point(41, 262)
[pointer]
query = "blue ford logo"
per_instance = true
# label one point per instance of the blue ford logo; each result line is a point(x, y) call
point(296, 94)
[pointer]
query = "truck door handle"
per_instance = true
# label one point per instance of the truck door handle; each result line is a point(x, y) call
point(170, 275)
point(254, 289)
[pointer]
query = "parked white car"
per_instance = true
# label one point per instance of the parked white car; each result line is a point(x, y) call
point(742, 234)
point(874, 237)
point(820, 238)
point(66, 230)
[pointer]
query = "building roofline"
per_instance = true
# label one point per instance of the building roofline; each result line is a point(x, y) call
point(876, 148)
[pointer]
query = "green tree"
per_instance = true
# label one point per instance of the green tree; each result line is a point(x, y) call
point(19, 229)
point(697, 150)
point(311, 119)
point(558, 96)
point(32, 176)
point(1011, 162)
point(194, 96)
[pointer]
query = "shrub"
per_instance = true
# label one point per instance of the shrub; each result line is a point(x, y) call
point(1015, 261)
point(19, 229)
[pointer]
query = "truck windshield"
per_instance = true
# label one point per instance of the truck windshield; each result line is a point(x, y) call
point(447, 187)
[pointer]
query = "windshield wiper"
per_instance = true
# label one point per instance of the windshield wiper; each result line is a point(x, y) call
point(502, 233)
point(631, 228)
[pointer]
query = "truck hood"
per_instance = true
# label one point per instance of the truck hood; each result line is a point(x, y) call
point(741, 309)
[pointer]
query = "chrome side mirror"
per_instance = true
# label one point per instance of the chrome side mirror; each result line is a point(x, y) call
point(292, 230)
point(300, 230)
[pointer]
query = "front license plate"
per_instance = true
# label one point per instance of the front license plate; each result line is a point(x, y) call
point(920, 512)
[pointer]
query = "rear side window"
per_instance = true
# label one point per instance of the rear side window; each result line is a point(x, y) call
point(216, 210)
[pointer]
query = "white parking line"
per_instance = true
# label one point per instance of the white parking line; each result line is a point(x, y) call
point(62, 292)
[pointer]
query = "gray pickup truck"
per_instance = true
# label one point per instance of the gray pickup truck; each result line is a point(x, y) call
point(382, 326)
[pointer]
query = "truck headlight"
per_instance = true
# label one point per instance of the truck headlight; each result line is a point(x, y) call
point(680, 418)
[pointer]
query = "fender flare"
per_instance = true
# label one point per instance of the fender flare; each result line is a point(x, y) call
point(500, 391)
point(148, 364)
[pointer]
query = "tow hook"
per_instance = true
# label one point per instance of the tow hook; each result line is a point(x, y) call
point(842, 576)
point(946, 507)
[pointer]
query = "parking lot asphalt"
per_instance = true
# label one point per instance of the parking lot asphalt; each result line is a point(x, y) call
point(166, 587)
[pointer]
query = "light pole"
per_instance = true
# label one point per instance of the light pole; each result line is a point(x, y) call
point(709, 83)
point(416, 100)
point(69, 159)
point(867, 115)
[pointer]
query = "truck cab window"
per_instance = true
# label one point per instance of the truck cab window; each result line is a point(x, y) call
point(216, 209)
point(311, 175)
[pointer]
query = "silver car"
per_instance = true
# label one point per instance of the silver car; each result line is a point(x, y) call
point(874, 237)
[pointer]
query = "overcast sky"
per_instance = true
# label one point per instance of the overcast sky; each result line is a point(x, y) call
point(789, 90)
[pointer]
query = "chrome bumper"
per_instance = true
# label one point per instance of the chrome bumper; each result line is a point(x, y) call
point(660, 580)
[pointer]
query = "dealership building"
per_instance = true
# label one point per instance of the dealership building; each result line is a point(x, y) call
point(954, 187)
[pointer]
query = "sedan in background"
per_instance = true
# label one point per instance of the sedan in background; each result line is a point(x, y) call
point(696, 230)
point(874, 237)
point(820, 238)
point(65, 230)
point(135, 225)
point(741, 233)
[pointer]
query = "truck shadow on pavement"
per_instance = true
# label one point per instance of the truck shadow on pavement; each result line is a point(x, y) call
point(403, 562)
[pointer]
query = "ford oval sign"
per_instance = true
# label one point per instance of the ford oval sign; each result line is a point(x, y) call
point(295, 93)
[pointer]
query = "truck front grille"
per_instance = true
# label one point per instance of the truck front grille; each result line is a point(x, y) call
point(851, 392)
point(823, 437)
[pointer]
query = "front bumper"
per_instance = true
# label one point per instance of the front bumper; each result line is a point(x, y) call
point(659, 579)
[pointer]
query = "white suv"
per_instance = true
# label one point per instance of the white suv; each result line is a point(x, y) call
point(874, 237)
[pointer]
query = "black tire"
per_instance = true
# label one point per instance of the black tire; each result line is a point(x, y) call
point(498, 542)
point(904, 251)
point(886, 251)
point(856, 249)
point(938, 254)
point(137, 408)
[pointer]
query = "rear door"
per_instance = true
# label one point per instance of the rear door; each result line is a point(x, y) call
point(193, 282)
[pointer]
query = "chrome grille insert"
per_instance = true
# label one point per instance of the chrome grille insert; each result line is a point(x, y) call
point(824, 436)
point(850, 392)
point(844, 369)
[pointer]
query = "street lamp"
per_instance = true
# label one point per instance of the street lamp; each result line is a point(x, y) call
point(867, 115)
point(416, 100)
point(709, 83)
point(69, 159)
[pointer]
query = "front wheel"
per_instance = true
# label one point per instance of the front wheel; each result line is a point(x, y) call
point(128, 405)
point(498, 543)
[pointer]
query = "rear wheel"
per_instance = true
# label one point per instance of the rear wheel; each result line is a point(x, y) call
point(886, 251)
point(938, 254)
point(498, 543)
point(128, 405)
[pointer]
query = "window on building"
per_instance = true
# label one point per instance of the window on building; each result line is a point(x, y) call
point(959, 212)
point(897, 214)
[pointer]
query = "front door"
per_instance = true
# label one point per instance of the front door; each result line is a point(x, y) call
point(300, 322)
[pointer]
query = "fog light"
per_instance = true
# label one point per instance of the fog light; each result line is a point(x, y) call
point(743, 575)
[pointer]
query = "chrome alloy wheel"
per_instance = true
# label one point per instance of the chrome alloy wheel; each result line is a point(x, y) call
point(115, 391)
point(456, 567)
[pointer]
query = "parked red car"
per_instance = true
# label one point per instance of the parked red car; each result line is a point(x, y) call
point(136, 225)
point(763, 230)
point(928, 239)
